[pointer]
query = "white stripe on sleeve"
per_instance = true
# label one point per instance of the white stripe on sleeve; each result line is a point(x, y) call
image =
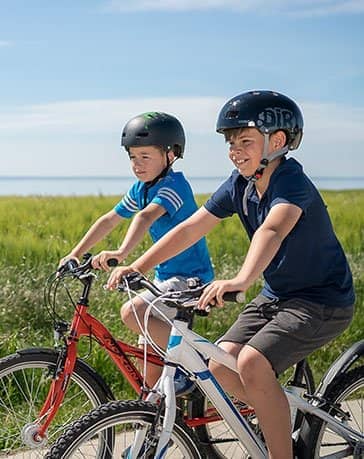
point(129, 203)
point(171, 196)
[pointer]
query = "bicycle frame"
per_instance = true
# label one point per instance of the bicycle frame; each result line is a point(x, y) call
point(185, 348)
point(335, 425)
point(188, 350)
point(84, 324)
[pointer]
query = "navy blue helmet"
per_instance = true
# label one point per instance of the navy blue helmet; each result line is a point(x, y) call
point(268, 111)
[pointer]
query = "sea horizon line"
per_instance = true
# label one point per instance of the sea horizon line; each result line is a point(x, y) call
point(118, 177)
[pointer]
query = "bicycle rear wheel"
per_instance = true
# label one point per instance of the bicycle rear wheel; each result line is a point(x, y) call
point(217, 437)
point(82, 439)
point(25, 379)
point(317, 440)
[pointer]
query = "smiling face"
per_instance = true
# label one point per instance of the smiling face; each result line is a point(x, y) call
point(246, 149)
point(148, 162)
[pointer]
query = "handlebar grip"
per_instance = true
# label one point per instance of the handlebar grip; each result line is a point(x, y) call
point(235, 297)
point(112, 262)
point(70, 265)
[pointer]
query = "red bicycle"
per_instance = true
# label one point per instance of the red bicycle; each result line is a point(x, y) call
point(42, 390)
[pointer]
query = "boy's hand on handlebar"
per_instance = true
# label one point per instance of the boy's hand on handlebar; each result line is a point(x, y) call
point(100, 260)
point(117, 274)
point(213, 293)
point(65, 259)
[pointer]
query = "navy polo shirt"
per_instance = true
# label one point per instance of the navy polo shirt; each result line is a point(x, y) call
point(310, 264)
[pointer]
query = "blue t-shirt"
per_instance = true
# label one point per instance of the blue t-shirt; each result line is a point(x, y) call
point(175, 195)
point(310, 264)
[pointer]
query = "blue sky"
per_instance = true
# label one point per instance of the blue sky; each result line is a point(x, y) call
point(73, 72)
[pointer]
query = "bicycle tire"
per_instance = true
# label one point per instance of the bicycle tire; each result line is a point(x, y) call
point(316, 439)
point(24, 383)
point(124, 416)
point(218, 439)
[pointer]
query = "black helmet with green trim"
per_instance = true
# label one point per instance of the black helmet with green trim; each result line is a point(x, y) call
point(154, 128)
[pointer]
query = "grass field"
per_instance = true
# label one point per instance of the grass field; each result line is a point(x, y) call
point(37, 231)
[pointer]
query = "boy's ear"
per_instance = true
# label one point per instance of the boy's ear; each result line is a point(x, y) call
point(279, 140)
point(171, 156)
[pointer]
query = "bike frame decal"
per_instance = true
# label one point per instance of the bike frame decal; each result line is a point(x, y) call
point(174, 341)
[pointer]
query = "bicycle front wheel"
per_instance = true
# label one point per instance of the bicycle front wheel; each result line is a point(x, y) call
point(25, 379)
point(318, 440)
point(82, 439)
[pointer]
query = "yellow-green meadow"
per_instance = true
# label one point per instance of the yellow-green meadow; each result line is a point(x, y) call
point(37, 231)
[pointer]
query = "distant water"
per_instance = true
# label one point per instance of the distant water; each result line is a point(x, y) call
point(78, 186)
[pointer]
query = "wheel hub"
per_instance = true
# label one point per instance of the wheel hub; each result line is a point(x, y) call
point(31, 437)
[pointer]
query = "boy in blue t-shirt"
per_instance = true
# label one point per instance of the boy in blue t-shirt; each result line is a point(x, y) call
point(293, 246)
point(160, 199)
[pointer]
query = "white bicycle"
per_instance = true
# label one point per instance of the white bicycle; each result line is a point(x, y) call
point(333, 418)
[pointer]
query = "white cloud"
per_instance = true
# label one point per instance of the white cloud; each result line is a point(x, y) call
point(82, 137)
point(176, 5)
point(90, 116)
point(326, 7)
point(198, 114)
point(333, 122)
point(296, 7)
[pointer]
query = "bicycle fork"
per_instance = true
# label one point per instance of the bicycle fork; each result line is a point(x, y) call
point(159, 435)
point(35, 433)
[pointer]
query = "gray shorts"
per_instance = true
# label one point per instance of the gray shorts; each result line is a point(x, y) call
point(174, 283)
point(285, 332)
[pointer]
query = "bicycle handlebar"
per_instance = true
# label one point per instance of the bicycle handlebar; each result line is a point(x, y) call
point(112, 262)
point(137, 281)
point(73, 267)
point(234, 297)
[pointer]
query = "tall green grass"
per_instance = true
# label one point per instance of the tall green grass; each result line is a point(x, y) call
point(37, 231)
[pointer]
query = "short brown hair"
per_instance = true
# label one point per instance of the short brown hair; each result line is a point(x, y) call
point(233, 132)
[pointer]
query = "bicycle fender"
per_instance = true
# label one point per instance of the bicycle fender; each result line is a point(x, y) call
point(341, 366)
point(81, 364)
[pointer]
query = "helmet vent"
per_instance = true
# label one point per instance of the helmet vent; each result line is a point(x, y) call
point(232, 114)
point(142, 134)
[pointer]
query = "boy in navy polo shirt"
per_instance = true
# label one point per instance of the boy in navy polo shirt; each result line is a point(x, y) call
point(159, 200)
point(293, 246)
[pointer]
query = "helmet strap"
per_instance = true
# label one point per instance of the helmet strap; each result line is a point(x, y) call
point(156, 179)
point(266, 159)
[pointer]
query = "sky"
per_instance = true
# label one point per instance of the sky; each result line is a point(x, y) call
point(73, 72)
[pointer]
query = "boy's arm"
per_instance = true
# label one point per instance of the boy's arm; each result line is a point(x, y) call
point(264, 245)
point(177, 240)
point(102, 226)
point(267, 240)
point(140, 224)
point(174, 242)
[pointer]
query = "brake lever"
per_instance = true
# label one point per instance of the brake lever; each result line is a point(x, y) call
point(133, 281)
point(67, 268)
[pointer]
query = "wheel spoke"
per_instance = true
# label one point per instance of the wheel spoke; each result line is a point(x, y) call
point(24, 384)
